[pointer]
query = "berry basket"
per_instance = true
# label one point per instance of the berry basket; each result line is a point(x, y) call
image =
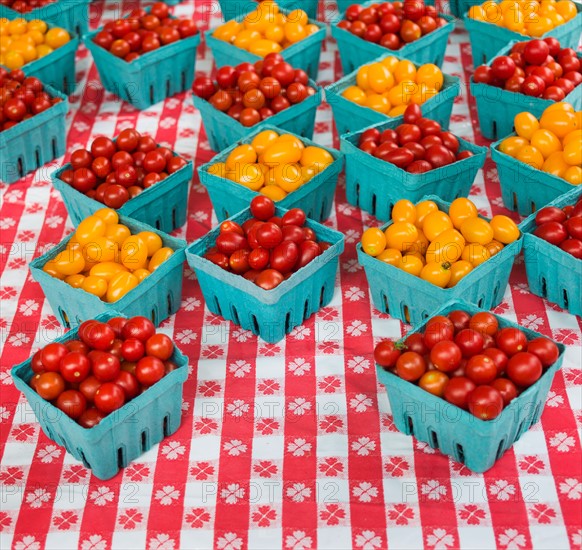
point(412, 299)
point(375, 185)
point(268, 313)
point(172, 192)
point(123, 435)
point(35, 141)
point(487, 38)
point(351, 117)
point(552, 273)
point(524, 188)
point(458, 8)
point(302, 55)
point(72, 15)
point(315, 198)
point(476, 443)
point(233, 8)
point(157, 297)
point(151, 77)
point(223, 130)
point(355, 51)
point(496, 107)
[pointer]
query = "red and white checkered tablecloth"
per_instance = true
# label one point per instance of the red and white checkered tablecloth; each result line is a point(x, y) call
point(287, 445)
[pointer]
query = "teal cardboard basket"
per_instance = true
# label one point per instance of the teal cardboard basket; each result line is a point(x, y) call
point(496, 107)
point(315, 197)
point(343, 5)
point(150, 78)
point(552, 273)
point(222, 130)
point(123, 435)
point(487, 38)
point(302, 55)
point(35, 141)
point(375, 185)
point(458, 8)
point(271, 314)
point(476, 443)
point(412, 299)
point(524, 188)
point(231, 9)
point(157, 297)
point(351, 117)
point(162, 205)
point(355, 51)
point(72, 15)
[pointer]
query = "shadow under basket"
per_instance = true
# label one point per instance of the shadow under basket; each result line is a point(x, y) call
point(473, 442)
point(270, 314)
point(33, 142)
point(552, 273)
point(315, 197)
point(150, 78)
point(375, 185)
point(157, 297)
point(123, 435)
point(412, 299)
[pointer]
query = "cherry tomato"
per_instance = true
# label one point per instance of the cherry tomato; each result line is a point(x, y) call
point(138, 327)
point(308, 251)
point(109, 397)
point(105, 366)
point(295, 216)
point(99, 336)
point(438, 329)
point(460, 320)
point(90, 417)
point(506, 388)
point(410, 366)
point(386, 354)
point(457, 391)
point(511, 340)
point(485, 402)
point(415, 342)
point(49, 385)
point(72, 403)
point(484, 322)
point(269, 279)
point(446, 356)
point(545, 350)
point(524, 369)
point(498, 357)
point(262, 208)
point(470, 342)
point(75, 367)
point(160, 346)
point(52, 355)
point(503, 67)
point(434, 382)
point(284, 257)
point(481, 369)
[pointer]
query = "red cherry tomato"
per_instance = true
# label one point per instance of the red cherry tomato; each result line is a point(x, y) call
point(545, 350)
point(470, 342)
point(75, 367)
point(160, 346)
point(90, 417)
point(132, 349)
point(506, 388)
point(386, 354)
point(128, 383)
point(89, 387)
point(460, 319)
point(295, 216)
point(72, 403)
point(511, 340)
point(446, 356)
point(49, 385)
point(457, 391)
point(52, 355)
point(269, 279)
point(109, 397)
point(308, 251)
point(262, 208)
point(499, 358)
point(524, 369)
point(105, 366)
point(481, 369)
point(485, 402)
point(439, 328)
point(138, 327)
point(484, 322)
point(410, 366)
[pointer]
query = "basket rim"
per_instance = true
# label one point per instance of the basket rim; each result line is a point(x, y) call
point(6, 11)
point(466, 415)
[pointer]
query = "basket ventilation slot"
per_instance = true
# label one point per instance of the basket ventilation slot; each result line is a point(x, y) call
point(434, 440)
point(460, 453)
point(410, 425)
point(166, 425)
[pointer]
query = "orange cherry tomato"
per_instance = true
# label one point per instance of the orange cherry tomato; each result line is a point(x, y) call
point(477, 230)
point(134, 253)
point(263, 140)
point(494, 247)
point(141, 274)
point(89, 229)
point(159, 258)
point(460, 210)
point(373, 241)
point(505, 229)
point(153, 241)
point(404, 211)
point(95, 285)
point(101, 249)
point(76, 281)
point(559, 122)
point(437, 273)
point(50, 268)
point(435, 223)
point(117, 233)
point(423, 209)
point(107, 270)
point(475, 254)
point(401, 235)
point(525, 124)
point(511, 145)
point(447, 247)
point(69, 262)
point(120, 285)
point(108, 215)
point(411, 264)
point(459, 270)
point(390, 256)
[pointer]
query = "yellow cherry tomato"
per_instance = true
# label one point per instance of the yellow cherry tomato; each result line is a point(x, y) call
point(494, 247)
point(561, 123)
point(573, 153)
point(288, 177)
point(505, 229)
point(404, 70)
point(362, 78)
point(17, 26)
point(380, 78)
point(317, 157)
point(525, 124)
point(263, 140)
point(76, 281)
point(555, 164)
point(141, 274)
point(545, 142)
point(274, 192)
point(153, 241)
point(50, 268)
point(459, 270)
point(275, 33)
point(423, 209)
point(419, 246)
point(37, 25)
point(511, 145)
point(101, 249)
point(566, 9)
point(430, 75)
point(402, 93)
point(107, 270)
point(243, 154)
point(475, 254)
point(117, 233)
point(218, 170)
point(390, 62)
point(108, 215)
point(420, 93)
point(13, 60)
point(477, 230)
point(397, 111)
point(404, 211)
point(43, 50)
point(159, 258)
point(294, 32)
point(576, 135)
point(309, 172)
point(390, 256)
point(298, 16)
point(373, 241)
point(411, 264)
point(89, 229)
point(120, 285)
point(250, 175)
point(435, 223)
point(95, 285)
point(447, 247)
point(229, 31)
point(573, 175)
point(559, 106)
point(134, 253)
point(460, 210)
point(69, 261)
point(437, 273)
point(264, 47)
point(401, 235)
point(56, 37)
point(538, 26)
point(378, 102)
point(477, 13)
point(282, 152)
point(37, 36)
point(355, 94)
point(245, 38)
point(531, 156)
point(25, 49)
point(290, 138)
point(514, 21)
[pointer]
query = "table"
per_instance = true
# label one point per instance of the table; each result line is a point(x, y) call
point(281, 445)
